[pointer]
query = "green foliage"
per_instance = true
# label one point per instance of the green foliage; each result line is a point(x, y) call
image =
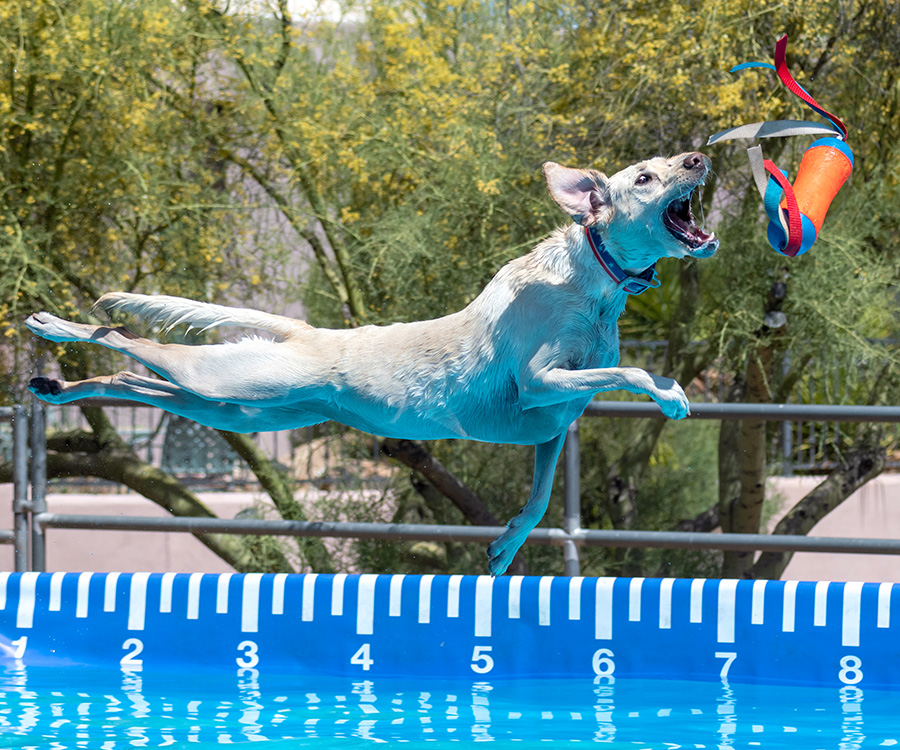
point(192, 148)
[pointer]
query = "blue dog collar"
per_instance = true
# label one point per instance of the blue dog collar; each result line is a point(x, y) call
point(630, 284)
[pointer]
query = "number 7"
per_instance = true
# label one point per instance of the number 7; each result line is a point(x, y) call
point(729, 657)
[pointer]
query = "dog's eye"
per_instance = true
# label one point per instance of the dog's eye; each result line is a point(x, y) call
point(643, 179)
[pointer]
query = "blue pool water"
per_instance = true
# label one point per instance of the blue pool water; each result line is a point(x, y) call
point(47, 708)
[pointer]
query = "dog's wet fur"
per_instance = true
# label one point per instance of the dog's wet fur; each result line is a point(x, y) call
point(517, 365)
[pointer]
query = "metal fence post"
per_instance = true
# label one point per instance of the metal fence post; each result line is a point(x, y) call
point(38, 483)
point(20, 488)
point(572, 490)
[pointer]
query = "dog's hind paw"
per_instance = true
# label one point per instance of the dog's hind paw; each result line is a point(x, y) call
point(49, 327)
point(46, 389)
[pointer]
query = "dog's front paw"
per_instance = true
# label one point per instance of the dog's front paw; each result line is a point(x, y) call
point(673, 403)
point(501, 552)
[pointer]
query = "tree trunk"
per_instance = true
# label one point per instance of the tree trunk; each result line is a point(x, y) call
point(865, 461)
point(416, 457)
point(746, 513)
point(744, 516)
point(278, 486)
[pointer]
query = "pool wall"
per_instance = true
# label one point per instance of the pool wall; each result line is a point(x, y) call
point(809, 633)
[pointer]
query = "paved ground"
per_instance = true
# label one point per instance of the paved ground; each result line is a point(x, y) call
point(873, 512)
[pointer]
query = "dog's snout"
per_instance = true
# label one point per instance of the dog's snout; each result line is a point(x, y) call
point(694, 161)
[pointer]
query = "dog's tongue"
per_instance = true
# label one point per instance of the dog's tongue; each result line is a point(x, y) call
point(680, 222)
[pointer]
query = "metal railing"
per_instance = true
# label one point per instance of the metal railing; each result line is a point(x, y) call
point(32, 513)
point(26, 535)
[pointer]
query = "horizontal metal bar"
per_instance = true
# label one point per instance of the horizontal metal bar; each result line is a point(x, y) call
point(771, 412)
point(7, 413)
point(425, 532)
point(7, 536)
point(699, 410)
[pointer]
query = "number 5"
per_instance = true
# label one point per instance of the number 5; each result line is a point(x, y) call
point(480, 654)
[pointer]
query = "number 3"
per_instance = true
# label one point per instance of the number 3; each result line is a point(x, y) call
point(250, 658)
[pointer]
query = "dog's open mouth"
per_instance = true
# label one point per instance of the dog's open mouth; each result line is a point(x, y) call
point(679, 220)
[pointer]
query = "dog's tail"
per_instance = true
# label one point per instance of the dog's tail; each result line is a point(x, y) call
point(173, 311)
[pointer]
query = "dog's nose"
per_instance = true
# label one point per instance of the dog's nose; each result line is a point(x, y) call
point(693, 161)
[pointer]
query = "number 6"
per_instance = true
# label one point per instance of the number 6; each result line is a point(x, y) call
point(480, 654)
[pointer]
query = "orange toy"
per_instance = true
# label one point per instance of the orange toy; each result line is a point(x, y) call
point(796, 212)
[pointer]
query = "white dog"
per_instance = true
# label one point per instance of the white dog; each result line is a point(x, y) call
point(517, 365)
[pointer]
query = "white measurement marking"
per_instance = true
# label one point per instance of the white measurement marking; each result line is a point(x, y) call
point(81, 595)
point(544, 600)
point(820, 604)
point(337, 594)
point(165, 592)
point(365, 605)
point(109, 592)
point(758, 606)
point(634, 599)
point(250, 603)
point(484, 590)
point(665, 603)
point(309, 597)
point(137, 601)
point(884, 605)
point(453, 585)
point(515, 597)
point(727, 593)
point(697, 600)
point(25, 613)
point(56, 591)
point(850, 622)
point(193, 602)
point(222, 593)
point(425, 598)
point(4, 577)
point(575, 597)
point(395, 595)
point(788, 612)
point(278, 583)
point(603, 609)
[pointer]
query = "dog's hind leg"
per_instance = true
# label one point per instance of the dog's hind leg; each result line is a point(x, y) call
point(172, 311)
point(129, 386)
point(502, 550)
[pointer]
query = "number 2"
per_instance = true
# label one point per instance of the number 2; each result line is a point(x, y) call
point(130, 659)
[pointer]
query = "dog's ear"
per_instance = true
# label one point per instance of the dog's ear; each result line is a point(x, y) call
point(581, 193)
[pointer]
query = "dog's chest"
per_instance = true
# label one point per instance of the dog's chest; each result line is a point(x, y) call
point(592, 338)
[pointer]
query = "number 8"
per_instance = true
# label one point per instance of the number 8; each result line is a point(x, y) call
point(850, 673)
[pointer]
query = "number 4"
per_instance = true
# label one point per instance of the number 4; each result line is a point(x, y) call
point(363, 657)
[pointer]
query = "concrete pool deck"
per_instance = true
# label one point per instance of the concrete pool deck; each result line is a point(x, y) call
point(872, 512)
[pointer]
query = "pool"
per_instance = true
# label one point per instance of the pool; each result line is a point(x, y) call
point(140, 660)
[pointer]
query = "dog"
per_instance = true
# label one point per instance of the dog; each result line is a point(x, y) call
point(517, 365)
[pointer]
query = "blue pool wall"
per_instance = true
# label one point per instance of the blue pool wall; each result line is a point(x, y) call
point(805, 633)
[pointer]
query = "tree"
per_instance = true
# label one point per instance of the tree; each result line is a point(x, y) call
point(402, 150)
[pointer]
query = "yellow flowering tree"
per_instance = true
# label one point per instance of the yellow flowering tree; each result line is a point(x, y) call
point(398, 151)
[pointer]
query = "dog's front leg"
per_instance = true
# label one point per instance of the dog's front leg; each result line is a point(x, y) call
point(557, 385)
point(503, 549)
